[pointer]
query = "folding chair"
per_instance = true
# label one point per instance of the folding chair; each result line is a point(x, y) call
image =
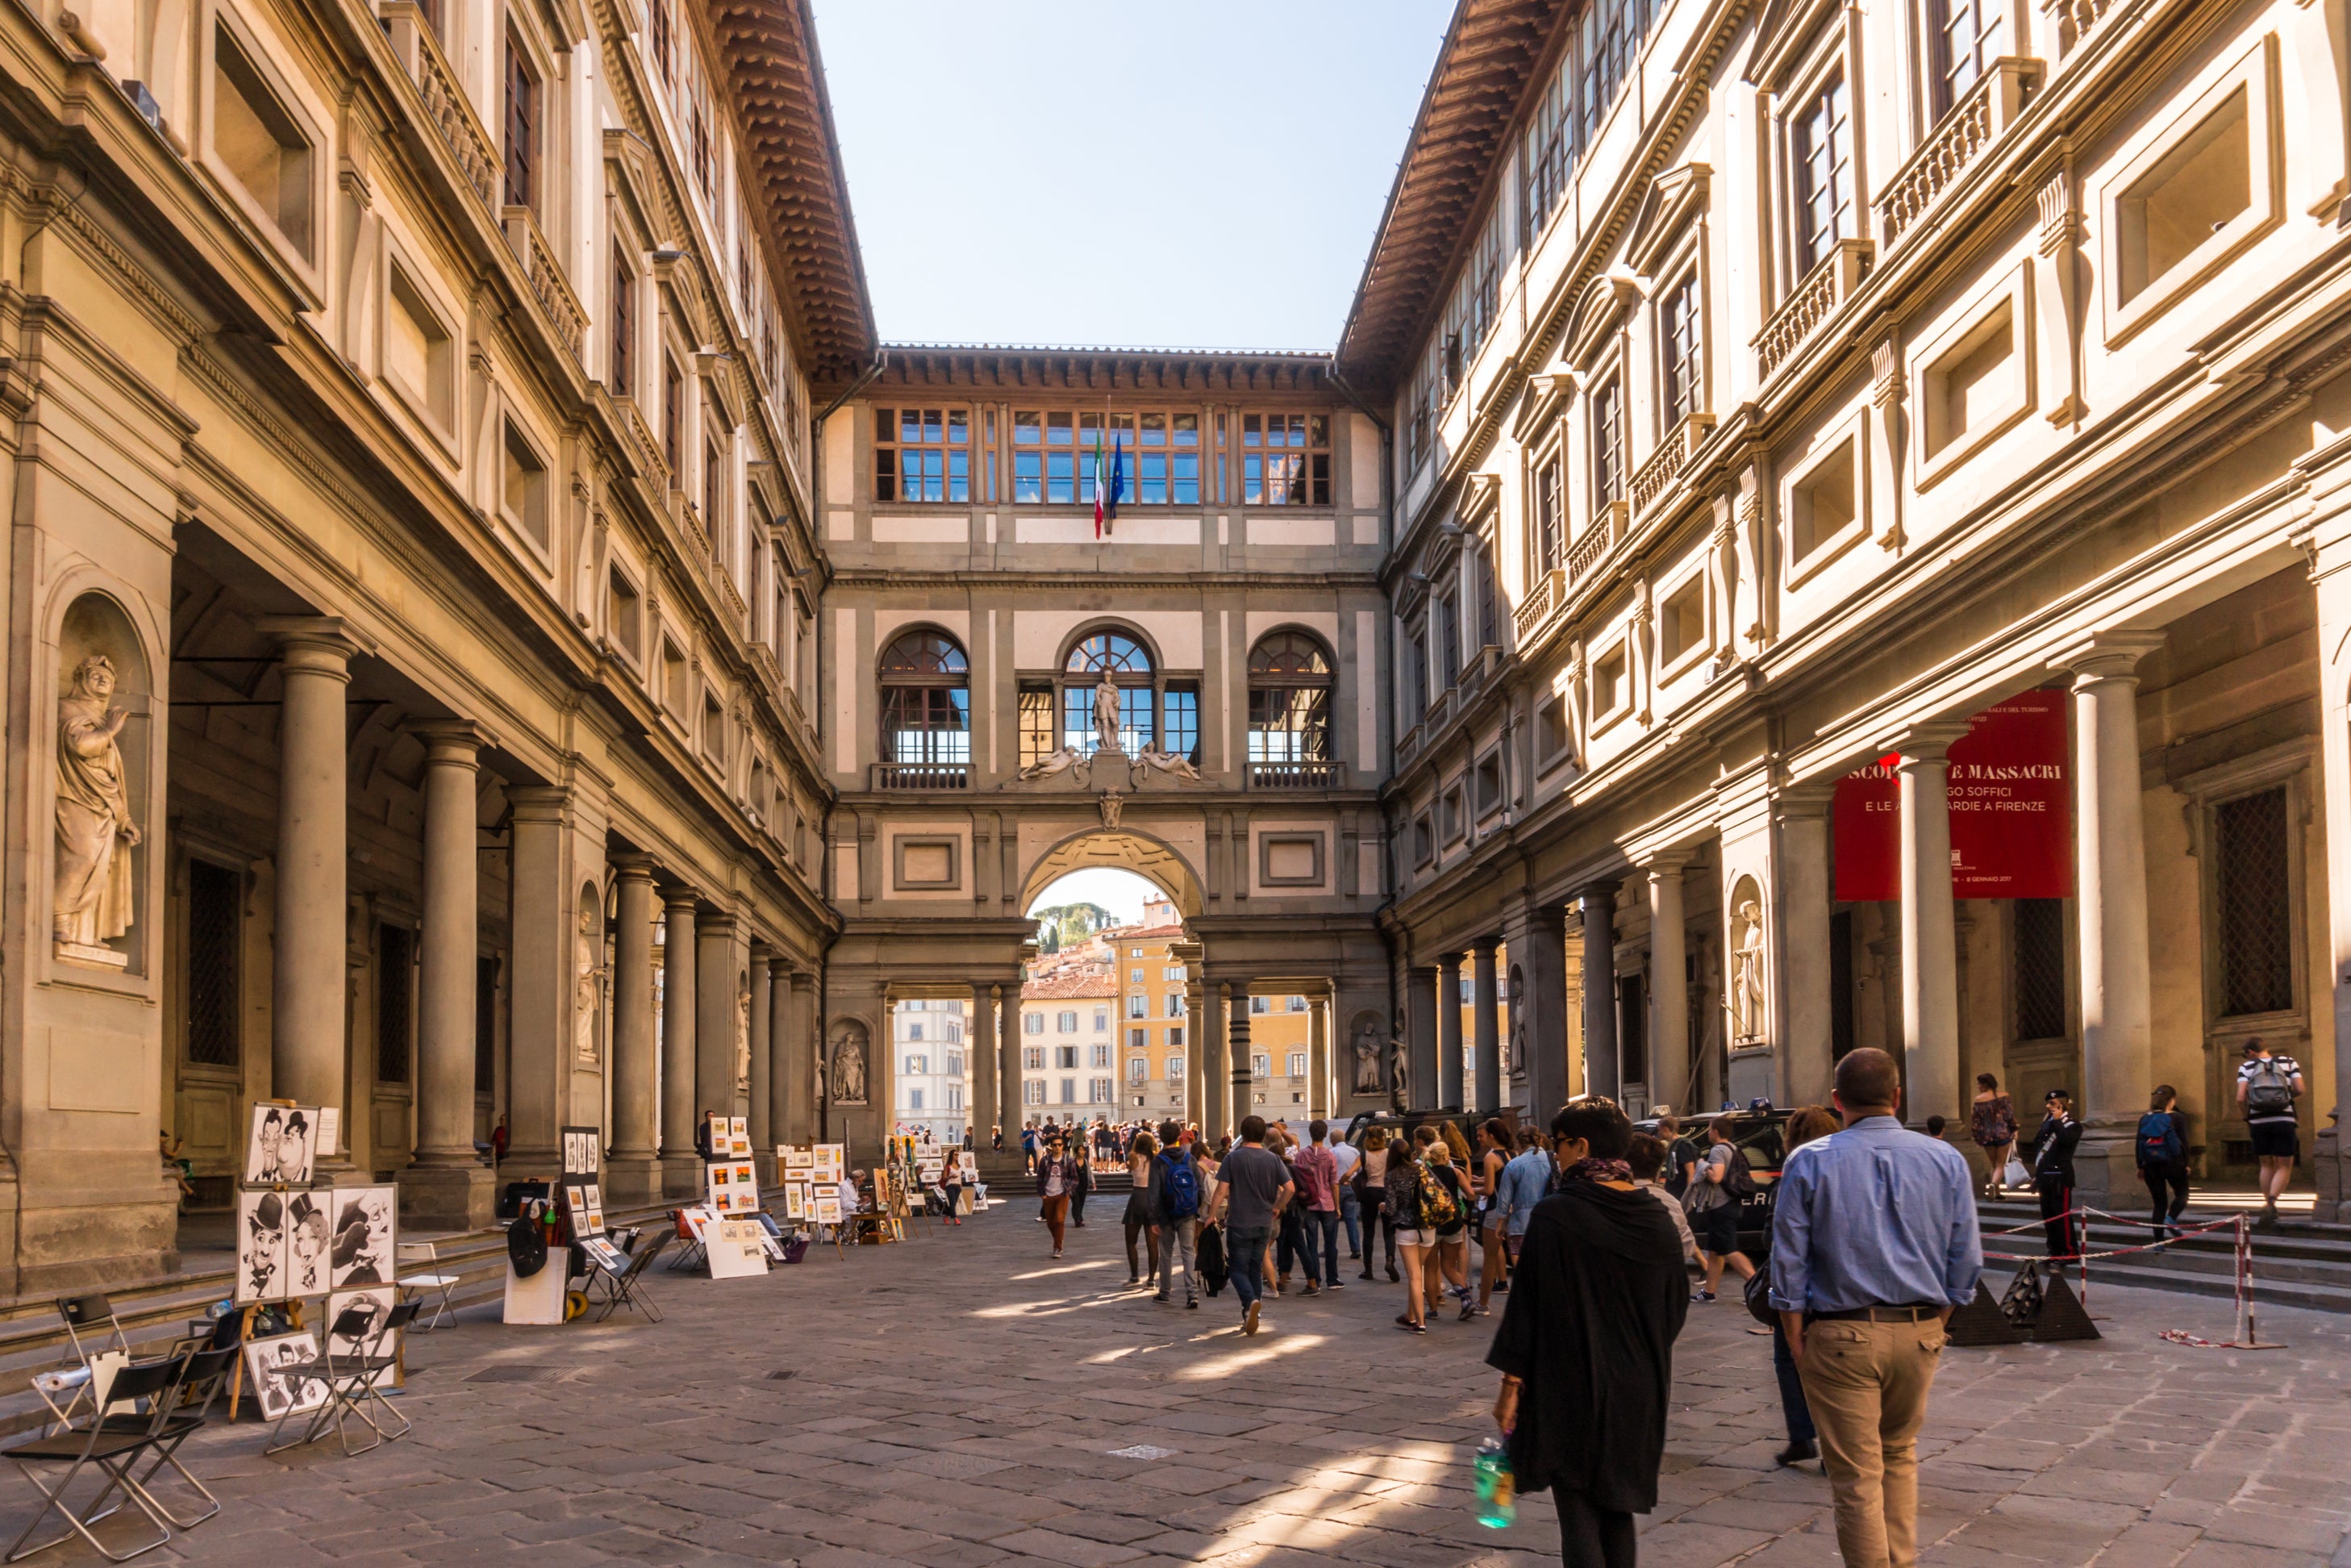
point(430, 1283)
point(187, 1405)
point(350, 1381)
point(110, 1444)
point(625, 1288)
point(696, 1254)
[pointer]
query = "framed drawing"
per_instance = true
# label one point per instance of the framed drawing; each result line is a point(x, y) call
point(278, 1148)
point(366, 1227)
point(271, 1364)
point(261, 1247)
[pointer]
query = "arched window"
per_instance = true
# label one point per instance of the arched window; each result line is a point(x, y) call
point(926, 702)
point(1128, 666)
point(1290, 707)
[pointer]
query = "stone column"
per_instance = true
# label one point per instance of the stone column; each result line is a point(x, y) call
point(682, 1170)
point(984, 1112)
point(797, 1115)
point(1008, 1064)
point(1668, 986)
point(306, 1058)
point(763, 1128)
point(540, 1053)
point(1486, 1031)
point(1421, 1027)
point(1602, 1072)
point(781, 1088)
point(1317, 1056)
point(447, 1187)
point(1800, 941)
point(1537, 937)
point(632, 1170)
point(1930, 972)
point(2328, 540)
point(716, 979)
point(2110, 883)
point(1448, 1032)
point(1243, 1069)
point(1205, 1073)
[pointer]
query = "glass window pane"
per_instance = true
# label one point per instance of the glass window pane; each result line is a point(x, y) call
point(1028, 428)
point(1029, 476)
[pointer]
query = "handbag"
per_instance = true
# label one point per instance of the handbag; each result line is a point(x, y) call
point(2015, 1174)
point(1758, 1299)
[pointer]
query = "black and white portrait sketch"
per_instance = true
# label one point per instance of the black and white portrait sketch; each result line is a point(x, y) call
point(270, 1363)
point(377, 1304)
point(261, 1250)
point(364, 1229)
point(307, 1243)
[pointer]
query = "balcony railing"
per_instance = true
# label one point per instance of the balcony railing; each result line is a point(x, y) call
point(1297, 775)
point(547, 280)
point(1596, 541)
point(445, 104)
point(641, 435)
point(1826, 287)
point(922, 775)
point(2075, 20)
point(1972, 125)
point(1653, 478)
point(1549, 589)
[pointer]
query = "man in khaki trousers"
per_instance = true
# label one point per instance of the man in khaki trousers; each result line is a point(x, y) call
point(1874, 1242)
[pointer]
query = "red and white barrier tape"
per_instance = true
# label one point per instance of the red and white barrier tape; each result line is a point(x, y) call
point(2248, 1329)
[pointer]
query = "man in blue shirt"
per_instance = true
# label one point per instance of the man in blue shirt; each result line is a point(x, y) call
point(1874, 1242)
point(1521, 1185)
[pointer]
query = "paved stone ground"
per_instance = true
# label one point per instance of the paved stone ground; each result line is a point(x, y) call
point(955, 1402)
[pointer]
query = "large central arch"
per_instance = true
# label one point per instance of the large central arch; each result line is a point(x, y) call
point(1123, 848)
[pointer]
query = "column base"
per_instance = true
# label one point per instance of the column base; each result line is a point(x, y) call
point(2330, 1165)
point(631, 1178)
point(682, 1177)
point(2105, 1168)
point(447, 1197)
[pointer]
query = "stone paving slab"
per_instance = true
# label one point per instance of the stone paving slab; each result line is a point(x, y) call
point(956, 1402)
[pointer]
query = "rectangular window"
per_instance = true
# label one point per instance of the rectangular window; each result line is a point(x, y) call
point(1173, 1004)
point(1966, 41)
point(1285, 460)
point(1174, 1070)
point(1550, 518)
point(954, 1096)
point(914, 1032)
point(1036, 724)
point(1823, 156)
point(1134, 1006)
point(2255, 925)
point(1032, 1023)
point(1100, 1092)
point(486, 1025)
point(1298, 1064)
point(1066, 1022)
point(672, 412)
point(1032, 1058)
point(1167, 460)
point(1547, 158)
point(1033, 1093)
point(623, 377)
point(1068, 1090)
point(1098, 1055)
point(922, 454)
point(1607, 443)
point(1102, 1020)
point(658, 23)
point(262, 145)
point(1137, 1037)
point(1259, 1006)
point(1297, 1004)
point(1172, 972)
point(955, 1064)
point(1134, 977)
point(1679, 339)
point(699, 132)
point(914, 1098)
point(1065, 1056)
point(215, 927)
point(2037, 953)
point(1260, 1066)
point(521, 127)
point(917, 1065)
point(395, 975)
point(1180, 734)
point(1138, 1068)
point(1446, 630)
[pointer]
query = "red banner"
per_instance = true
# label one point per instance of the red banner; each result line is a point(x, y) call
point(2011, 807)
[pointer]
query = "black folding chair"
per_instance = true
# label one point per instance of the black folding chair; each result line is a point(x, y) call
point(350, 1381)
point(187, 1405)
point(111, 1445)
point(626, 1288)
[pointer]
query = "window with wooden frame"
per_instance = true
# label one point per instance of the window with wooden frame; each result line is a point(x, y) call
point(922, 454)
point(1681, 348)
point(212, 1017)
point(1035, 708)
point(1285, 460)
point(673, 413)
point(699, 136)
point(1167, 460)
point(657, 24)
point(1820, 158)
point(926, 700)
point(1550, 514)
point(624, 377)
point(1964, 40)
point(394, 1002)
point(1607, 443)
point(521, 123)
point(1290, 686)
point(1549, 148)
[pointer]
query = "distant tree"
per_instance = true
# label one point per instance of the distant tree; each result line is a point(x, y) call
point(1052, 942)
point(1072, 922)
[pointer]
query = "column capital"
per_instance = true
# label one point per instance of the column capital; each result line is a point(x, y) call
point(450, 742)
point(1484, 945)
point(315, 644)
point(761, 950)
point(1663, 862)
point(715, 922)
point(1813, 798)
point(1603, 887)
point(680, 895)
point(630, 866)
point(540, 803)
point(2106, 656)
point(1929, 741)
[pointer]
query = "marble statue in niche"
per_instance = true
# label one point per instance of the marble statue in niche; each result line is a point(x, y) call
point(849, 1064)
point(1367, 1058)
point(743, 1034)
point(94, 897)
point(587, 987)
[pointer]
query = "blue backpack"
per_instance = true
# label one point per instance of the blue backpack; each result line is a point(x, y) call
point(1181, 1186)
point(2158, 1139)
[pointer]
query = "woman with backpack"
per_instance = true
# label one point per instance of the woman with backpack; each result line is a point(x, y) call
point(2162, 1148)
point(1722, 1184)
point(1141, 1221)
point(1449, 1217)
point(1404, 1173)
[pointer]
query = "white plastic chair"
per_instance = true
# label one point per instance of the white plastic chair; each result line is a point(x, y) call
point(433, 1285)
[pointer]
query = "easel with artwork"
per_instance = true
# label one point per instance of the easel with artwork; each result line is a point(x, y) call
point(298, 1237)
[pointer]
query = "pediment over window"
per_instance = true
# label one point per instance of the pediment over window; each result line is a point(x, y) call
point(1674, 198)
point(1785, 38)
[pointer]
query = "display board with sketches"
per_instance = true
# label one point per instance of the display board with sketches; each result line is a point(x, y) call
point(583, 1155)
point(736, 1248)
point(808, 1171)
point(307, 1243)
point(270, 1366)
point(733, 1186)
point(730, 1138)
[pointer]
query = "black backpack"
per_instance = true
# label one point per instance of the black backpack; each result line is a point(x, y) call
point(1739, 1178)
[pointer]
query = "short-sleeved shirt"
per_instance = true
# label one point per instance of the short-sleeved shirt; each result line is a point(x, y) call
point(1348, 1157)
point(2287, 1070)
point(1703, 1194)
point(1255, 1179)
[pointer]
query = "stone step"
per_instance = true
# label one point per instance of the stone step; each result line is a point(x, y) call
point(2299, 1262)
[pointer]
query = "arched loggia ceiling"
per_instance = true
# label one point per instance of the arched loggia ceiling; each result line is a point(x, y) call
point(1122, 849)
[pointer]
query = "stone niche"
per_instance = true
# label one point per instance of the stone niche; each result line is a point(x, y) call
point(101, 728)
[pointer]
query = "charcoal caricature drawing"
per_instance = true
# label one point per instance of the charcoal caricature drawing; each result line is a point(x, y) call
point(270, 1363)
point(305, 1245)
point(363, 1236)
point(260, 1247)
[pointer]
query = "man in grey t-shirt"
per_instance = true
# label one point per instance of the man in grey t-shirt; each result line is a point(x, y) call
point(1253, 1186)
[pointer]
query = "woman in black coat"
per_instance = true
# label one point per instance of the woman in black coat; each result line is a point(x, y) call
point(1586, 1347)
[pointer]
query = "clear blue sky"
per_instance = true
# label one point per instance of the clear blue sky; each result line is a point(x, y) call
point(1203, 175)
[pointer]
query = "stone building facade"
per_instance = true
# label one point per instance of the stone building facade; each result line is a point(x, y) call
point(1868, 550)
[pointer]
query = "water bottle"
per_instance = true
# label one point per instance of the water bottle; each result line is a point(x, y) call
point(1497, 1488)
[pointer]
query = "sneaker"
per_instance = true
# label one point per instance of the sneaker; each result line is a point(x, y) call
point(1339, 1284)
point(1057, 1254)
point(1248, 1318)
point(1364, 1275)
point(1191, 1303)
point(1411, 1327)
point(1701, 1295)
point(1311, 1288)
point(1161, 1297)
point(1393, 1276)
point(1797, 1451)
point(1469, 1311)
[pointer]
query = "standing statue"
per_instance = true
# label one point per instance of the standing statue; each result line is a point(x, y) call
point(1747, 971)
point(1107, 715)
point(93, 891)
point(1517, 1020)
point(586, 986)
point(849, 1065)
point(1367, 1058)
point(742, 1035)
point(1399, 1068)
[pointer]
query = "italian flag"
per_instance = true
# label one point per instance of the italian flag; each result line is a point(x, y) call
point(1109, 483)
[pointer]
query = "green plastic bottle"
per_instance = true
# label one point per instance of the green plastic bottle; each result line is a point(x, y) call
point(1496, 1487)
